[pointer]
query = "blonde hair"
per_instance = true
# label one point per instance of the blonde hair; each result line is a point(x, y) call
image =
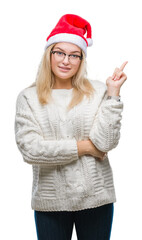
point(45, 81)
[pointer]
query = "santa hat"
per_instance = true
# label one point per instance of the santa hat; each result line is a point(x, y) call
point(71, 28)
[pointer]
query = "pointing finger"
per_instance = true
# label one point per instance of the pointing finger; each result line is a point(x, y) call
point(123, 66)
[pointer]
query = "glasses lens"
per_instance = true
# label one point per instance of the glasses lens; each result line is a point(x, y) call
point(60, 56)
point(74, 58)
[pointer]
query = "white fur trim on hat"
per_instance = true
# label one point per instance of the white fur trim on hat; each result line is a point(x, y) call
point(67, 37)
point(90, 42)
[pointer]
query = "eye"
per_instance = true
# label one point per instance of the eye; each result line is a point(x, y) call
point(74, 56)
point(59, 53)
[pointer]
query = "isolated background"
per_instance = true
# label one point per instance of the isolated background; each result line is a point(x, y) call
point(116, 26)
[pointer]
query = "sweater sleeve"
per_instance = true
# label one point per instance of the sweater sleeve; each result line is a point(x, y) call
point(105, 132)
point(31, 143)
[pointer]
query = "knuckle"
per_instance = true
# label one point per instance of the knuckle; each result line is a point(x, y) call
point(116, 69)
point(119, 73)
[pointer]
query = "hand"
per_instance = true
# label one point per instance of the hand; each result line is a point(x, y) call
point(115, 82)
point(87, 148)
point(95, 152)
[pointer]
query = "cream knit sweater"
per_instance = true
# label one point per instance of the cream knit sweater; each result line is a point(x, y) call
point(47, 138)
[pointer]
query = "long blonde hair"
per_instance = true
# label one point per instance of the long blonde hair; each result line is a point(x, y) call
point(45, 81)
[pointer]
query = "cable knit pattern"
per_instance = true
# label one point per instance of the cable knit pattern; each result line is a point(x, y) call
point(104, 133)
point(47, 138)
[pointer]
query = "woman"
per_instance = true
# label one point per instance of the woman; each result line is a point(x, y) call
point(65, 126)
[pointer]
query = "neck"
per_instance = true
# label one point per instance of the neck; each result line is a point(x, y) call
point(62, 83)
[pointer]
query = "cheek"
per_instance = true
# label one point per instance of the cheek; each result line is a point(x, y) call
point(75, 68)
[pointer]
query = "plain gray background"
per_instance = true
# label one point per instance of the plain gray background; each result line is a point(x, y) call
point(116, 26)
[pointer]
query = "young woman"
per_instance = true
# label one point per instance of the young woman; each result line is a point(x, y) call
point(65, 126)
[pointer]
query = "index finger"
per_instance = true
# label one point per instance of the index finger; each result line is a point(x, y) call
point(123, 66)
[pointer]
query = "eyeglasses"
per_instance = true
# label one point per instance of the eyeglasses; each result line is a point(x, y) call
point(60, 56)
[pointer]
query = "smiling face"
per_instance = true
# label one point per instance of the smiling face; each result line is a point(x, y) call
point(65, 67)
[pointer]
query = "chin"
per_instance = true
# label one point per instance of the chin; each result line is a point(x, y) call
point(64, 76)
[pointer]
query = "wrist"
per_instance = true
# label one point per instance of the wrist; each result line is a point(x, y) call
point(113, 92)
point(81, 148)
point(117, 98)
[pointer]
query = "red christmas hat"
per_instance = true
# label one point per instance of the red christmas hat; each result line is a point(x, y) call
point(71, 28)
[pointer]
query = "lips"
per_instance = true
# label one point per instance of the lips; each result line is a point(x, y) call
point(64, 69)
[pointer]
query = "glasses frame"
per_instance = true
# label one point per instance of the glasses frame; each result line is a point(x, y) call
point(69, 55)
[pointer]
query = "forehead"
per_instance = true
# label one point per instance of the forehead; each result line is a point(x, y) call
point(68, 47)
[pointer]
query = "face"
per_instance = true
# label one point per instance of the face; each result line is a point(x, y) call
point(64, 67)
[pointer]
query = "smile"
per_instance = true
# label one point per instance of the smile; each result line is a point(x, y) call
point(64, 69)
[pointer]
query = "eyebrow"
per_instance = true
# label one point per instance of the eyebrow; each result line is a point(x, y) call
point(64, 50)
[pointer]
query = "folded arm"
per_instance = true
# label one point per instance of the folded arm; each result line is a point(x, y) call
point(34, 148)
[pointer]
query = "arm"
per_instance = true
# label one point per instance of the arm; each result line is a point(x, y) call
point(105, 132)
point(86, 147)
point(34, 148)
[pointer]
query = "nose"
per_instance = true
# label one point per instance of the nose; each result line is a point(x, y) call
point(66, 60)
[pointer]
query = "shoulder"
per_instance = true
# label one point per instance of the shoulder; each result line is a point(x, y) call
point(25, 95)
point(98, 85)
point(27, 92)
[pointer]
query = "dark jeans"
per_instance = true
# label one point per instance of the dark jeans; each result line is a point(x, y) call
point(90, 224)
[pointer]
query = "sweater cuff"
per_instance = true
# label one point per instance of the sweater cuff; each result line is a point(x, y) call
point(68, 150)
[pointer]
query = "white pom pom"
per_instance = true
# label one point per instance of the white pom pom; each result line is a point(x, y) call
point(90, 42)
